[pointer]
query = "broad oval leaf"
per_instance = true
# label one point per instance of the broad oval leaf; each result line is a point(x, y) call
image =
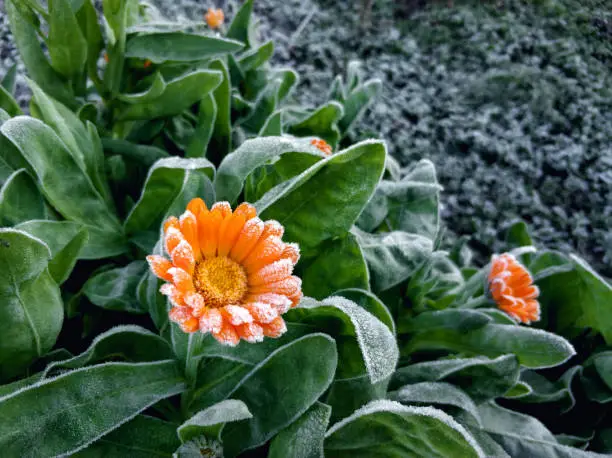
point(253, 153)
point(178, 95)
point(323, 123)
point(534, 348)
point(290, 390)
point(340, 264)
point(343, 318)
point(65, 184)
point(115, 289)
point(68, 412)
point(389, 429)
point(178, 46)
point(130, 343)
point(20, 200)
point(141, 437)
point(325, 200)
point(393, 256)
point(210, 421)
point(32, 310)
point(436, 393)
point(65, 239)
point(357, 101)
point(371, 303)
point(67, 46)
point(482, 378)
point(304, 437)
point(163, 185)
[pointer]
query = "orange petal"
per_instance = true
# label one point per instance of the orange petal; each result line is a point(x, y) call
point(228, 233)
point(291, 251)
point(183, 317)
point(266, 251)
point(159, 266)
point(197, 206)
point(272, 273)
point(249, 235)
point(247, 210)
point(173, 237)
point(174, 295)
point(236, 314)
point(183, 257)
point(273, 228)
point(262, 312)
point(251, 332)
point(182, 280)
point(211, 321)
point(275, 328)
point(189, 228)
point(278, 301)
point(171, 222)
point(227, 335)
point(196, 302)
point(287, 287)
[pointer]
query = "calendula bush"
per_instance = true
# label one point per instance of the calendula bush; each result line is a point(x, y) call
point(303, 307)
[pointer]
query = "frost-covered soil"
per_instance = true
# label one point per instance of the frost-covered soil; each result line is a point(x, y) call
point(512, 104)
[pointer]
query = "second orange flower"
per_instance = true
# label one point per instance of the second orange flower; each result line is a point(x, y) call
point(229, 273)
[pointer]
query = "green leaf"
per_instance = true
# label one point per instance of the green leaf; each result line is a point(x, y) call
point(322, 123)
point(65, 185)
point(20, 200)
point(541, 390)
point(148, 294)
point(351, 324)
point(523, 436)
point(304, 437)
point(393, 256)
point(143, 154)
point(287, 79)
point(67, 45)
point(254, 153)
point(163, 185)
point(221, 140)
point(128, 343)
point(534, 348)
point(210, 422)
point(482, 378)
point(157, 88)
point(273, 125)
point(371, 303)
point(410, 204)
point(90, 28)
point(8, 103)
point(178, 46)
point(436, 393)
point(357, 102)
point(9, 79)
point(290, 390)
point(339, 265)
point(348, 394)
point(70, 411)
point(32, 55)
point(65, 239)
point(115, 289)
point(257, 57)
point(458, 320)
point(141, 437)
point(518, 235)
point(207, 113)
point(603, 365)
point(180, 94)
point(32, 311)
point(239, 28)
point(324, 201)
point(389, 429)
point(575, 299)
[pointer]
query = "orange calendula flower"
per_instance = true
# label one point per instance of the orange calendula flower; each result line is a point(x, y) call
point(214, 17)
point(229, 273)
point(512, 288)
point(322, 145)
point(147, 63)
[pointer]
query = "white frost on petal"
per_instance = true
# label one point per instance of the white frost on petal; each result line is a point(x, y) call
point(238, 315)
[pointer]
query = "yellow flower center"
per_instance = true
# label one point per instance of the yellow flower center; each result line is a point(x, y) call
point(221, 281)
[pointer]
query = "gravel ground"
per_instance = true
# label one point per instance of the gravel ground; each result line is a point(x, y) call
point(515, 117)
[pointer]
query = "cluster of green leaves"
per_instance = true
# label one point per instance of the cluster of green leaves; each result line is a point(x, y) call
point(392, 352)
